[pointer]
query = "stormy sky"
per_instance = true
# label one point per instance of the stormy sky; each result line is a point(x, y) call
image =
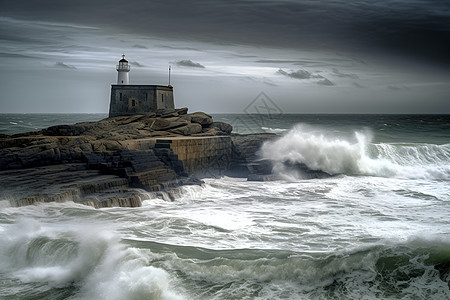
point(308, 56)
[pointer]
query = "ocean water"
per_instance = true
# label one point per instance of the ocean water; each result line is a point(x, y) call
point(18, 123)
point(378, 228)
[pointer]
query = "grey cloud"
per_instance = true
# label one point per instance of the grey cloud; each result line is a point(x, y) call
point(189, 63)
point(139, 46)
point(300, 74)
point(278, 61)
point(341, 74)
point(136, 64)
point(325, 82)
point(63, 65)
point(179, 48)
point(303, 74)
point(244, 55)
point(303, 62)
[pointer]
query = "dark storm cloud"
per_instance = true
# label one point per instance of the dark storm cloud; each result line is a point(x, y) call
point(189, 63)
point(419, 28)
point(300, 74)
point(303, 74)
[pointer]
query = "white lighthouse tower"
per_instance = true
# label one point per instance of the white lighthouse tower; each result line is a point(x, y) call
point(122, 69)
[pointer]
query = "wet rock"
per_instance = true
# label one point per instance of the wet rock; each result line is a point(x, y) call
point(245, 152)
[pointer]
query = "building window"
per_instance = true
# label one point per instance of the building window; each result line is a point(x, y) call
point(120, 96)
point(133, 102)
point(162, 97)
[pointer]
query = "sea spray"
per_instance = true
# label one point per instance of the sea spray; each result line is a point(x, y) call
point(354, 154)
point(90, 258)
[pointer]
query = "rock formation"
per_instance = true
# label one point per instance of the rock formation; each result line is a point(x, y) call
point(108, 163)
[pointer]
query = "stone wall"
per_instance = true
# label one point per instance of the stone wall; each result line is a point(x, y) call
point(164, 98)
point(199, 156)
point(139, 99)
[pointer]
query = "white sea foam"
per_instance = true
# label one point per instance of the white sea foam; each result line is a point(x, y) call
point(90, 257)
point(273, 130)
point(354, 154)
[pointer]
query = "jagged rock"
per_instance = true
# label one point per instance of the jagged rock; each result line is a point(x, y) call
point(247, 146)
point(123, 120)
point(189, 129)
point(245, 151)
point(169, 115)
point(186, 118)
point(201, 118)
point(218, 128)
point(223, 127)
point(182, 111)
point(165, 124)
point(210, 132)
point(68, 130)
point(166, 113)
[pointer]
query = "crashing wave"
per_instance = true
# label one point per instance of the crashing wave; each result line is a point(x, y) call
point(354, 154)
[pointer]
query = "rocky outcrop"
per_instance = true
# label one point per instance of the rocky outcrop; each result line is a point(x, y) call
point(56, 183)
point(245, 152)
point(118, 161)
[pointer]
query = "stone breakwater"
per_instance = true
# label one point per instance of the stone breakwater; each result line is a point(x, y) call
point(113, 161)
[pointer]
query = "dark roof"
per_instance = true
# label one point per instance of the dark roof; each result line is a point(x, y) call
point(123, 60)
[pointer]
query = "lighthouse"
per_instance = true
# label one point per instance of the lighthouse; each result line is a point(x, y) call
point(132, 99)
point(122, 71)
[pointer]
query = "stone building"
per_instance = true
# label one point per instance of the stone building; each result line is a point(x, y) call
point(129, 99)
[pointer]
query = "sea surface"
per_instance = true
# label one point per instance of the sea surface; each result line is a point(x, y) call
point(378, 228)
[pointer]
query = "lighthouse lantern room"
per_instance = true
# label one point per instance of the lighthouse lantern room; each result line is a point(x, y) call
point(122, 69)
